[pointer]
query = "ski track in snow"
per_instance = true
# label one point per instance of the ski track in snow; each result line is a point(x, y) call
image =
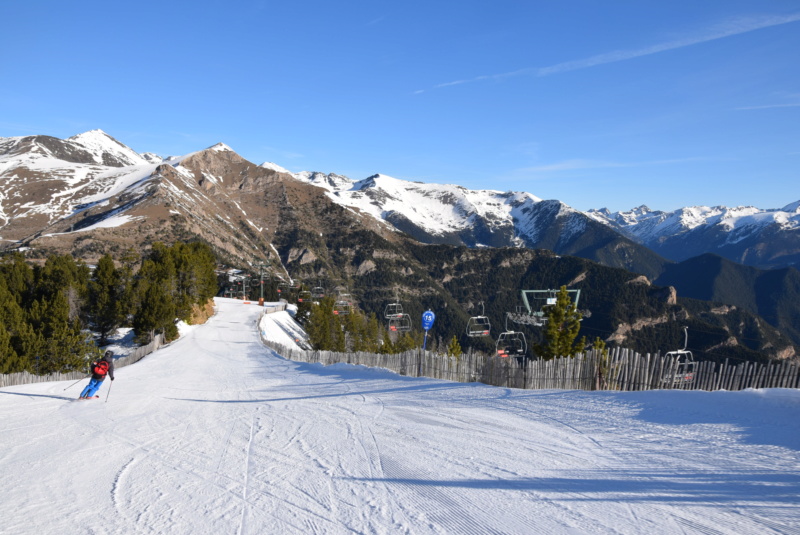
point(214, 433)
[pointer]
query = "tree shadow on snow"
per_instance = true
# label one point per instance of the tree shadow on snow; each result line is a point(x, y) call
point(412, 388)
point(689, 487)
point(27, 395)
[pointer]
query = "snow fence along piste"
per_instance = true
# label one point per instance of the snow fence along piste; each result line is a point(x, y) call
point(24, 378)
point(621, 369)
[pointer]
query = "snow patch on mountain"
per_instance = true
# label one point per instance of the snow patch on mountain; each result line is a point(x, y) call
point(275, 167)
point(645, 225)
point(221, 147)
point(792, 208)
point(99, 143)
point(439, 209)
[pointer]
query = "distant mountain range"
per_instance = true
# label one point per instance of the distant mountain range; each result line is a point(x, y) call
point(454, 215)
point(436, 213)
point(90, 194)
point(752, 236)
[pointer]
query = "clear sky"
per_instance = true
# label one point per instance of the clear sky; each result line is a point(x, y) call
point(595, 103)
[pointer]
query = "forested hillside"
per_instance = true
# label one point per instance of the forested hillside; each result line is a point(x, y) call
point(53, 316)
point(620, 307)
point(772, 294)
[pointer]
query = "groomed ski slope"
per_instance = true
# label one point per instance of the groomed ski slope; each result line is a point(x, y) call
point(214, 434)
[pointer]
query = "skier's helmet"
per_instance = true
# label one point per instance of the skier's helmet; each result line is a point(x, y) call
point(108, 354)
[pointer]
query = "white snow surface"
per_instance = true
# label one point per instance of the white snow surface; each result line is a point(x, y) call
point(98, 142)
point(646, 225)
point(438, 208)
point(214, 434)
point(275, 167)
point(281, 327)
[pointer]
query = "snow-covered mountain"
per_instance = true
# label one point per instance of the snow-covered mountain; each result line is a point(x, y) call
point(765, 238)
point(451, 214)
point(46, 181)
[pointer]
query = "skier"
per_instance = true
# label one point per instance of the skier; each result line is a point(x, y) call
point(99, 370)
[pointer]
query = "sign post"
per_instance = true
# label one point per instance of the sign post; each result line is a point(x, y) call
point(427, 322)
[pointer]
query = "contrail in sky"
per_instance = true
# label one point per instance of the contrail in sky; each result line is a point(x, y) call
point(727, 29)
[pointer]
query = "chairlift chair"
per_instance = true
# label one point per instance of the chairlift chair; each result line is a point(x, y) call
point(685, 364)
point(479, 325)
point(318, 292)
point(393, 310)
point(283, 287)
point(400, 323)
point(342, 308)
point(511, 343)
point(305, 295)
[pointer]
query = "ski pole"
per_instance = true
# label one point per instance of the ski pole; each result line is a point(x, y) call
point(76, 382)
point(109, 390)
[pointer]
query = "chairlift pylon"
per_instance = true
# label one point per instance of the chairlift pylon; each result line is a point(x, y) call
point(536, 304)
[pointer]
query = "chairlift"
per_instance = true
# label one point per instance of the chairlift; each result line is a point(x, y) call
point(400, 323)
point(393, 310)
point(343, 304)
point(342, 308)
point(283, 287)
point(684, 364)
point(479, 325)
point(303, 296)
point(318, 292)
point(511, 343)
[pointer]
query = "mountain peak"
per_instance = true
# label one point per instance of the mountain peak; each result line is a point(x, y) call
point(275, 167)
point(221, 147)
point(106, 150)
point(792, 208)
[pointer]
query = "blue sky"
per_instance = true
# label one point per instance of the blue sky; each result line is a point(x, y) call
point(595, 103)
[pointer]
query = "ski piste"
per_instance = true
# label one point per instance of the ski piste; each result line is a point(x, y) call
point(214, 433)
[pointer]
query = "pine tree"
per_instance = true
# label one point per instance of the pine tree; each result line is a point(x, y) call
point(10, 361)
point(104, 310)
point(454, 348)
point(561, 329)
point(126, 292)
point(18, 276)
point(59, 344)
point(320, 324)
point(156, 314)
point(13, 352)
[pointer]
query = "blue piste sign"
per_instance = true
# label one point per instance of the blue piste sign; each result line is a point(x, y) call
point(427, 319)
point(427, 322)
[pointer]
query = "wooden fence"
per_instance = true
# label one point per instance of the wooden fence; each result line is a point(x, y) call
point(621, 369)
point(24, 378)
